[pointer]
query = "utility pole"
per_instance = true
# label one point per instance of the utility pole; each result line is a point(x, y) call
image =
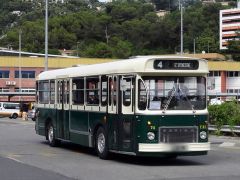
point(181, 29)
point(194, 47)
point(46, 36)
point(77, 49)
point(20, 64)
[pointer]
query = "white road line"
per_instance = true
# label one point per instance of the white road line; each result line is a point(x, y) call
point(14, 159)
point(227, 144)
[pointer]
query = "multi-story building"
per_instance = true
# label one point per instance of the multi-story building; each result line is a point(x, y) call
point(229, 21)
point(11, 83)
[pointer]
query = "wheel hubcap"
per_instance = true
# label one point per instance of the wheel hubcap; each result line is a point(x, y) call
point(101, 142)
point(50, 134)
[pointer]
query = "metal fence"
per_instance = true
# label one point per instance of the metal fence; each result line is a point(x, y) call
point(225, 128)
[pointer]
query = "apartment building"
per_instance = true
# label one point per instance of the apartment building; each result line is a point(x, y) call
point(229, 21)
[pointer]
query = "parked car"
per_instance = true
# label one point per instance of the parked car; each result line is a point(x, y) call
point(9, 109)
point(31, 114)
point(216, 101)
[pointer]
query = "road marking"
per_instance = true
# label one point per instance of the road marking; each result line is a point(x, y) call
point(13, 157)
point(227, 144)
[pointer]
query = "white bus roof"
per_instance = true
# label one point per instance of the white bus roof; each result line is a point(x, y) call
point(138, 64)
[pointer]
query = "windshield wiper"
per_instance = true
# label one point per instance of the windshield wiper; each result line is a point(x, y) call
point(169, 100)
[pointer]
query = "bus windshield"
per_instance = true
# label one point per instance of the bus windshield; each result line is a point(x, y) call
point(172, 93)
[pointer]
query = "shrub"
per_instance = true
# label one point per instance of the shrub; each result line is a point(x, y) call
point(227, 113)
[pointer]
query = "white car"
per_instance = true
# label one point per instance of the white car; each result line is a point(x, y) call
point(216, 101)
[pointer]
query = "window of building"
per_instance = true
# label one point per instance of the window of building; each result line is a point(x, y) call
point(2, 89)
point(25, 90)
point(233, 74)
point(4, 74)
point(214, 73)
point(25, 74)
point(233, 91)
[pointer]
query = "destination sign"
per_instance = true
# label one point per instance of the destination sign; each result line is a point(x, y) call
point(176, 64)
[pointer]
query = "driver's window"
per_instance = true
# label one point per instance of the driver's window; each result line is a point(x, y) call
point(126, 88)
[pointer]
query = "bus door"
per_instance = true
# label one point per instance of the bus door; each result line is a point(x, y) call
point(112, 111)
point(126, 112)
point(63, 106)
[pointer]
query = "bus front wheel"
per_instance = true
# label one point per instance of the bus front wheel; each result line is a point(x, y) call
point(101, 143)
point(51, 136)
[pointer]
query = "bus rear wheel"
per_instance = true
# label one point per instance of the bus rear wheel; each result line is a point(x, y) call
point(101, 143)
point(51, 136)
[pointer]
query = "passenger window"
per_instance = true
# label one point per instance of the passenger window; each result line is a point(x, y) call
point(92, 90)
point(110, 87)
point(104, 90)
point(126, 88)
point(52, 92)
point(78, 91)
point(44, 92)
point(114, 91)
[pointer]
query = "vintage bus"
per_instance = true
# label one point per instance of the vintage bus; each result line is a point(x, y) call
point(142, 106)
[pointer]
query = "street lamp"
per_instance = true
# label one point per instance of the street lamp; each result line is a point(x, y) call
point(46, 36)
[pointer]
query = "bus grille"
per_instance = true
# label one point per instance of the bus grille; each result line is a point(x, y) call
point(178, 134)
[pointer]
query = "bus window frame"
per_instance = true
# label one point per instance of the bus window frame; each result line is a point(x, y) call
point(95, 100)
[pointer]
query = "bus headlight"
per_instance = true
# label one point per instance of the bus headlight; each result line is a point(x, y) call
point(150, 136)
point(203, 134)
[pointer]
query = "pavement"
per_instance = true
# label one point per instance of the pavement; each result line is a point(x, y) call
point(225, 141)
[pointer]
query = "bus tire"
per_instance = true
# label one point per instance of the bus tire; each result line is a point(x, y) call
point(53, 142)
point(101, 143)
point(15, 116)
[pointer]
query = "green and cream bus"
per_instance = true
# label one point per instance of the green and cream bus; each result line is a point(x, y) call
point(143, 106)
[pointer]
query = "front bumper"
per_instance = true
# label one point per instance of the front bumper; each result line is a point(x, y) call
point(173, 147)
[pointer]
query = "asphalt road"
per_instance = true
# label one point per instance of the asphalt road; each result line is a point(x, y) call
point(25, 155)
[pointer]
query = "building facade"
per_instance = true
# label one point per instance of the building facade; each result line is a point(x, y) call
point(18, 75)
point(229, 21)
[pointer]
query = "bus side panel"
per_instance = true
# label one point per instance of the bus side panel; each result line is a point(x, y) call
point(78, 127)
point(121, 132)
point(95, 119)
point(113, 136)
point(44, 115)
point(126, 133)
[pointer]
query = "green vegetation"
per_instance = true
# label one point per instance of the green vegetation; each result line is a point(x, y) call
point(227, 113)
point(234, 48)
point(114, 30)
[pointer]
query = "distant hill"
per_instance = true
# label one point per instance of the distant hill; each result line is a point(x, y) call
point(15, 12)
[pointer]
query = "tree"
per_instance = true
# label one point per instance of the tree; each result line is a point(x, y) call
point(120, 48)
point(233, 47)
